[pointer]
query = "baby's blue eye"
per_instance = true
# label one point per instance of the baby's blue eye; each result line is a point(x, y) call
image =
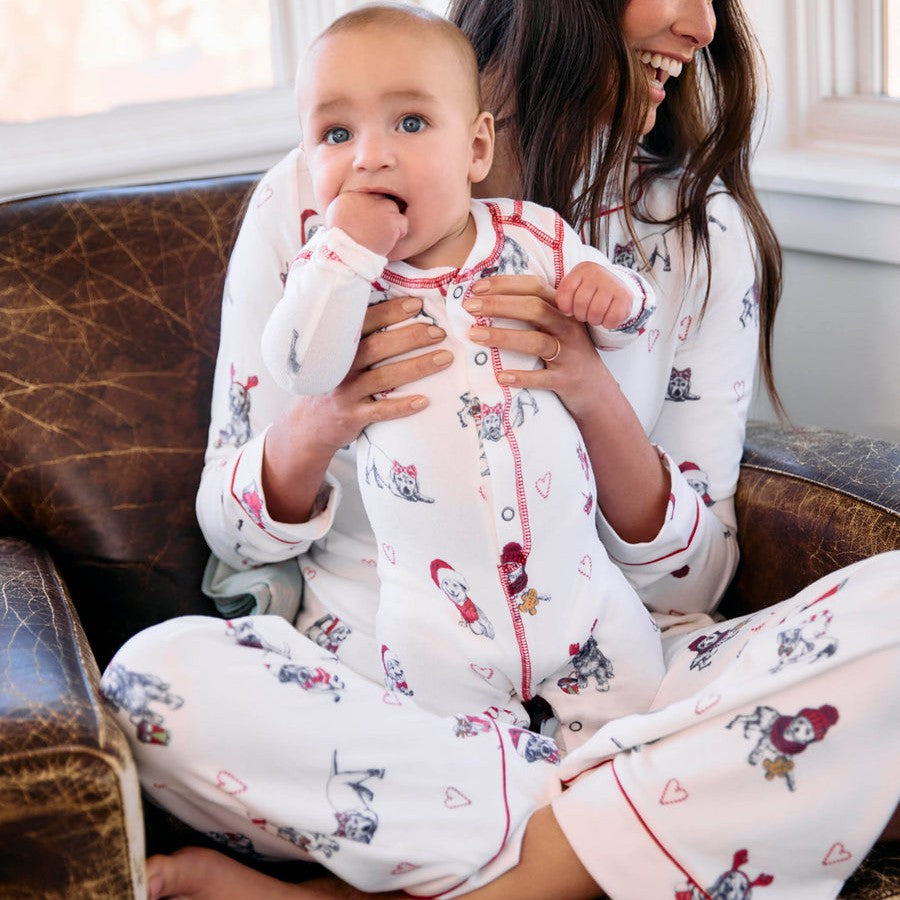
point(412, 124)
point(337, 135)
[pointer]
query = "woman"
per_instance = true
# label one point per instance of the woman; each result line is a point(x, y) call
point(724, 782)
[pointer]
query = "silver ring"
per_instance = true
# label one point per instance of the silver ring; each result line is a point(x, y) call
point(547, 359)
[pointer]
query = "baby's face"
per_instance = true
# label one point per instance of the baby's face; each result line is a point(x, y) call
point(391, 111)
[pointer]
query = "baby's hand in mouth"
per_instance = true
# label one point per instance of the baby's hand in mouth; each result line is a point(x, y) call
point(374, 219)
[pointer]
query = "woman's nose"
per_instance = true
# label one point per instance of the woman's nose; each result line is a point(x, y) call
point(696, 21)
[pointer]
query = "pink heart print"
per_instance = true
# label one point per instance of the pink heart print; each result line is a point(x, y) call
point(403, 868)
point(228, 783)
point(543, 484)
point(455, 798)
point(673, 792)
point(652, 335)
point(486, 672)
point(265, 195)
point(586, 566)
point(389, 553)
point(837, 853)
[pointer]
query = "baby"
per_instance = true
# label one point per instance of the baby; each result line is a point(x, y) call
point(495, 586)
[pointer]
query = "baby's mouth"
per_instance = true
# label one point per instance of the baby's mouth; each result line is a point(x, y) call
point(401, 203)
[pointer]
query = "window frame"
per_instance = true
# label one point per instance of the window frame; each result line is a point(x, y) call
point(168, 140)
point(826, 132)
point(826, 152)
point(837, 100)
point(147, 142)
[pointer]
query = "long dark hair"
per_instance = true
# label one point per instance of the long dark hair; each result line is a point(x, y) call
point(571, 102)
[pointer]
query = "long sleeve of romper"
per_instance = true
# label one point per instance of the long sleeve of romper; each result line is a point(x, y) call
point(705, 368)
point(231, 504)
point(311, 337)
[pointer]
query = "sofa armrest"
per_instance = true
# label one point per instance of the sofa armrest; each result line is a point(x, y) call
point(70, 809)
point(809, 501)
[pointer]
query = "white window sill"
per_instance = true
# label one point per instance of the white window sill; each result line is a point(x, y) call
point(137, 144)
point(833, 203)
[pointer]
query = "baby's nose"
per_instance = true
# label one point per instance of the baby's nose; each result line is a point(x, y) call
point(374, 151)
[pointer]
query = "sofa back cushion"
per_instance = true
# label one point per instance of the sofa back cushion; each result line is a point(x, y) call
point(109, 322)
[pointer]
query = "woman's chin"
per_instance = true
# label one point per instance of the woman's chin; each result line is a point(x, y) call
point(650, 121)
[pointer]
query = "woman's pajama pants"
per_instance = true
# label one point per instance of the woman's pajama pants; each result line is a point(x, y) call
point(768, 762)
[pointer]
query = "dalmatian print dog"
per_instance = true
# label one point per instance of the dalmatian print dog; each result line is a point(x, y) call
point(237, 432)
point(782, 737)
point(312, 680)
point(397, 478)
point(731, 885)
point(134, 692)
point(350, 797)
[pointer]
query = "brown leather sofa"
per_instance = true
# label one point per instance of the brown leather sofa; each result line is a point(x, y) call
point(109, 311)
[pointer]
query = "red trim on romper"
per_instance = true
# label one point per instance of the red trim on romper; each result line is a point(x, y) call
point(515, 615)
point(674, 552)
point(554, 241)
point(422, 283)
point(456, 275)
point(558, 263)
point(505, 829)
point(237, 500)
point(497, 365)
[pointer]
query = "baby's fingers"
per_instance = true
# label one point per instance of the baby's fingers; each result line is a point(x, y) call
point(567, 291)
point(610, 311)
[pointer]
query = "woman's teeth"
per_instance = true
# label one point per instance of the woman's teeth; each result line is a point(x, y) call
point(668, 65)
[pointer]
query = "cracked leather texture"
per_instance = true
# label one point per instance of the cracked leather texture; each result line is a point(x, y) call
point(109, 318)
point(69, 795)
point(809, 501)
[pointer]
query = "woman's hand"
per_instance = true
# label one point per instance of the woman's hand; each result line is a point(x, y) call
point(632, 484)
point(342, 414)
point(571, 363)
point(301, 443)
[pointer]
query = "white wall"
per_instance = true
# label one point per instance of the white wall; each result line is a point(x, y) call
point(836, 209)
point(837, 345)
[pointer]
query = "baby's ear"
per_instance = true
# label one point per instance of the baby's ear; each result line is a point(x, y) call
point(482, 147)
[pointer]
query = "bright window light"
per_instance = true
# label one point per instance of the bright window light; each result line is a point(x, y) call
point(75, 57)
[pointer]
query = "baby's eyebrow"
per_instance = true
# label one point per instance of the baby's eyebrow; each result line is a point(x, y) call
point(335, 105)
point(412, 96)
